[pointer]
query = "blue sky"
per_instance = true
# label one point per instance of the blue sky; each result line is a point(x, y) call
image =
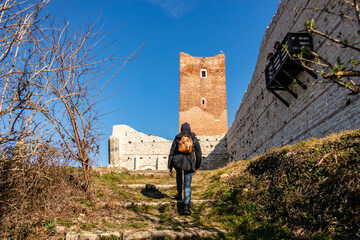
point(148, 99)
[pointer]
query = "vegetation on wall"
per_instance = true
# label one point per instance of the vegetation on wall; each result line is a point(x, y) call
point(342, 70)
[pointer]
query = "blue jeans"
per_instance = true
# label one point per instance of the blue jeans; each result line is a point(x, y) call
point(187, 184)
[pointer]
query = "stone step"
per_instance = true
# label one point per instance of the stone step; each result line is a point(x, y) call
point(168, 234)
point(129, 204)
point(144, 186)
point(148, 172)
point(152, 187)
point(93, 236)
point(156, 234)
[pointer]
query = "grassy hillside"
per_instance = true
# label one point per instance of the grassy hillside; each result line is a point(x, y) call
point(307, 191)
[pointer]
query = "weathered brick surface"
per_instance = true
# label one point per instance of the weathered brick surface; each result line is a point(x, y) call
point(262, 121)
point(138, 151)
point(208, 117)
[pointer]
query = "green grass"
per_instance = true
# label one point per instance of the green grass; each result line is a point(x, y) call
point(89, 226)
point(281, 194)
point(127, 178)
point(64, 221)
point(87, 203)
point(50, 226)
point(278, 195)
point(138, 225)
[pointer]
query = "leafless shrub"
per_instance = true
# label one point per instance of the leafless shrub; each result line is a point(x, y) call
point(51, 79)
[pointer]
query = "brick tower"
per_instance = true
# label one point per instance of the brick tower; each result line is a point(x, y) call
point(203, 94)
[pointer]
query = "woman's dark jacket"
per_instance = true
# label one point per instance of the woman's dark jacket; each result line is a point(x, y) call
point(185, 161)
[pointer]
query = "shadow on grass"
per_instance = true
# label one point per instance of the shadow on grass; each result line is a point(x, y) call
point(152, 192)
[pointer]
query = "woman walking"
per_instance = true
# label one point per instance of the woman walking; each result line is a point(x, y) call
point(185, 157)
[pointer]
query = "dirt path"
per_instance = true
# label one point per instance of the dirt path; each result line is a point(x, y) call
point(140, 206)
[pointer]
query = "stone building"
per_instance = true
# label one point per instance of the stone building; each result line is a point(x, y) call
point(262, 121)
point(134, 150)
point(137, 151)
point(202, 104)
point(203, 94)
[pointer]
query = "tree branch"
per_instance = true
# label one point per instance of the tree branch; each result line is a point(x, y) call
point(311, 29)
point(342, 74)
point(356, 5)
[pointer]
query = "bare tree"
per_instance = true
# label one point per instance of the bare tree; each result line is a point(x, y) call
point(51, 79)
point(73, 80)
point(26, 147)
point(342, 70)
point(17, 23)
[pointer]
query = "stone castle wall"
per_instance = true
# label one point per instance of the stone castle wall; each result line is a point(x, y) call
point(134, 150)
point(262, 121)
point(202, 100)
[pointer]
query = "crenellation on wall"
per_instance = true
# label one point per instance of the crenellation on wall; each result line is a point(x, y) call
point(262, 122)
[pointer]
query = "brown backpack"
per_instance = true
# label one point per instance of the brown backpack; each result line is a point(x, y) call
point(186, 144)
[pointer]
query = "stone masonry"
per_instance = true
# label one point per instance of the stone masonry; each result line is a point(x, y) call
point(203, 94)
point(262, 121)
point(202, 104)
point(138, 151)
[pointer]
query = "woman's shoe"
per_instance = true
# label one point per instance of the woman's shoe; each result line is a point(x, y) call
point(187, 209)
